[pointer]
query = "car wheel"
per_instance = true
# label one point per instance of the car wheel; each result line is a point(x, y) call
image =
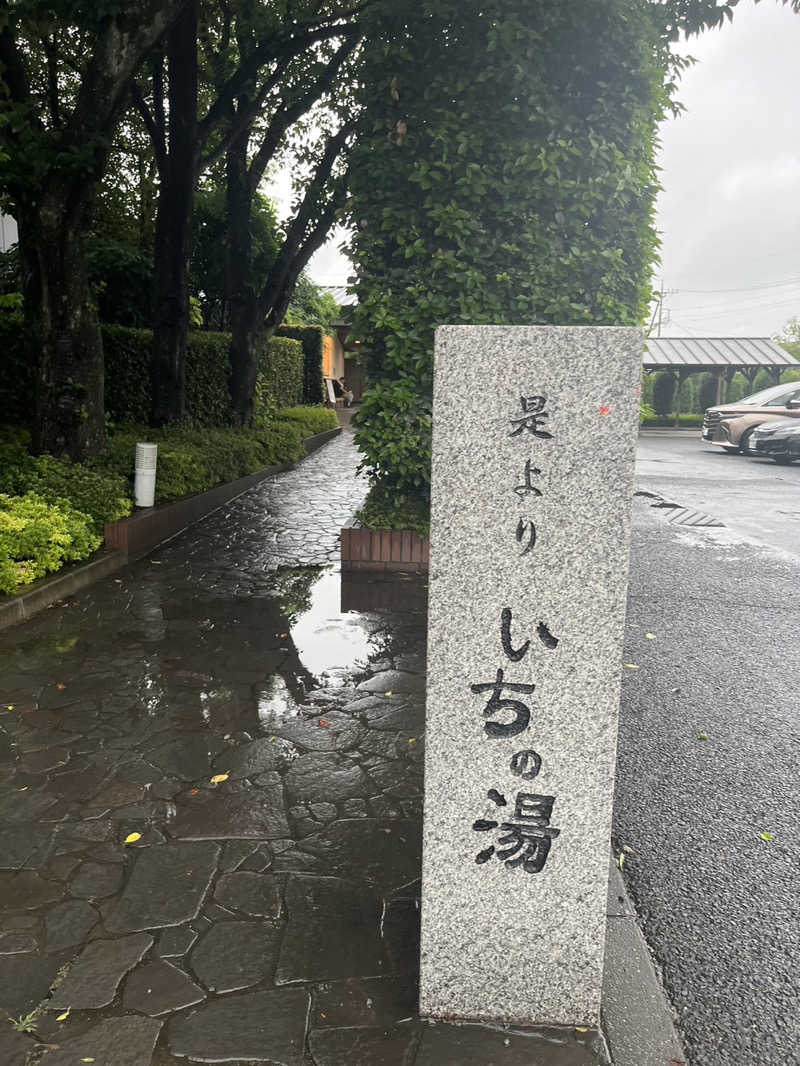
point(744, 442)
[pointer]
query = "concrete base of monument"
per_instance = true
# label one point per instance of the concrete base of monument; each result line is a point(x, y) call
point(637, 1020)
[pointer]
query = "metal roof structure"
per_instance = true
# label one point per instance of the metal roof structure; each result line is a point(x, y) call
point(340, 295)
point(713, 353)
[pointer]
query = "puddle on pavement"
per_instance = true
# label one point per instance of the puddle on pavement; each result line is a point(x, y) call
point(328, 641)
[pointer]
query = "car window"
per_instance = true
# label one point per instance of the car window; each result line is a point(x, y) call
point(781, 401)
point(762, 398)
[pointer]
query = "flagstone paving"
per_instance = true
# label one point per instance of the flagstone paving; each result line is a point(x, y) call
point(210, 800)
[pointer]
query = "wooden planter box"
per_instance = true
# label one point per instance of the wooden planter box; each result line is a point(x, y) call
point(376, 549)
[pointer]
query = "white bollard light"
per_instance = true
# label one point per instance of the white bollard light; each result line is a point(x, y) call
point(144, 484)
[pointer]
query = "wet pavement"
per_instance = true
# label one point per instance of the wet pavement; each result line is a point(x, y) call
point(210, 808)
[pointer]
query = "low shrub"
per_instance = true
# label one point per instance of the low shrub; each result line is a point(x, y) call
point(103, 497)
point(646, 413)
point(383, 509)
point(38, 537)
point(311, 420)
point(192, 461)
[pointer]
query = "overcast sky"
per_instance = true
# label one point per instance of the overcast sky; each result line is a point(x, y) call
point(730, 211)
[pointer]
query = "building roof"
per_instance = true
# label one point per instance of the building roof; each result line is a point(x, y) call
point(340, 295)
point(702, 352)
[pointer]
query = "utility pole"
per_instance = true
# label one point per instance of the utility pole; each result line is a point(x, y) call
point(657, 319)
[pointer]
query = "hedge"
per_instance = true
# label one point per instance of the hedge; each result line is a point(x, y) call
point(285, 364)
point(37, 538)
point(313, 340)
point(281, 370)
point(127, 360)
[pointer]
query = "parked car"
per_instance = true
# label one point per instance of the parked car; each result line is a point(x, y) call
point(731, 425)
point(777, 440)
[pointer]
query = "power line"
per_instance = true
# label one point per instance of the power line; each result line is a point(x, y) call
point(748, 288)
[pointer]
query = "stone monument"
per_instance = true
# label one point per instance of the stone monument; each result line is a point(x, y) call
point(534, 432)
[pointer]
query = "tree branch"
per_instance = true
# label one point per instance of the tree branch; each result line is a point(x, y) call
point(276, 49)
point(284, 118)
point(156, 133)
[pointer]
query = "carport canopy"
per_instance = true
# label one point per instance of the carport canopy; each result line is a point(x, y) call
point(720, 355)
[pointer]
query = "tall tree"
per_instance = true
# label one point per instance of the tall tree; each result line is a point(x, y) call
point(224, 65)
point(65, 71)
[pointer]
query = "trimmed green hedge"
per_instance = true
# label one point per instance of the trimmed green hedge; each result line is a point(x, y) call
point(281, 370)
point(312, 339)
point(127, 360)
point(37, 538)
point(668, 421)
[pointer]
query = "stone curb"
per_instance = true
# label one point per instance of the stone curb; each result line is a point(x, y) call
point(637, 1019)
point(108, 560)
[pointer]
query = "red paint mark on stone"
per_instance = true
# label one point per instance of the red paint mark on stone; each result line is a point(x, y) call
point(605, 410)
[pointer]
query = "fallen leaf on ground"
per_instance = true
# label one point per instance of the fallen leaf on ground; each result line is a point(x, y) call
point(10, 707)
point(156, 562)
point(650, 636)
point(61, 686)
point(25, 789)
point(63, 1017)
point(87, 1060)
point(413, 740)
point(702, 736)
point(131, 838)
point(324, 723)
point(388, 693)
point(217, 779)
point(621, 862)
point(627, 849)
point(767, 837)
point(284, 636)
point(193, 791)
point(631, 666)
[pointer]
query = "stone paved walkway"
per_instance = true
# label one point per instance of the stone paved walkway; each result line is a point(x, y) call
point(210, 804)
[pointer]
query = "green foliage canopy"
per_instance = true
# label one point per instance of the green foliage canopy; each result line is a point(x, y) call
point(509, 180)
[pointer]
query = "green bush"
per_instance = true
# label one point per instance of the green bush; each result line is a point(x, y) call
point(537, 209)
point(763, 380)
point(737, 387)
point(707, 393)
point(688, 395)
point(192, 461)
point(664, 393)
point(384, 510)
point(37, 537)
point(281, 370)
point(17, 382)
point(311, 420)
point(312, 339)
point(788, 376)
point(646, 414)
point(127, 361)
point(103, 497)
point(669, 421)
point(126, 354)
point(208, 366)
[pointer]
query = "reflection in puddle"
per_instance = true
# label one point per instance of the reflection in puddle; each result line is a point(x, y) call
point(328, 642)
point(274, 701)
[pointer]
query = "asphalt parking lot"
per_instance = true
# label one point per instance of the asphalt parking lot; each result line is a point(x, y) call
point(755, 498)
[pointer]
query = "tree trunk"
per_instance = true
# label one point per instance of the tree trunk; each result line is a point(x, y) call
point(174, 226)
point(246, 330)
point(63, 327)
